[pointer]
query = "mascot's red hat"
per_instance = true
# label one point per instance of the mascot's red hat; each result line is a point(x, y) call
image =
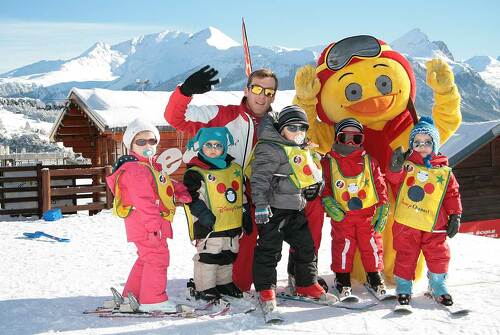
point(351, 50)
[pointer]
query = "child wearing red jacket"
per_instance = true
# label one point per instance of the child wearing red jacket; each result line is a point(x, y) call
point(355, 198)
point(428, 208)
point(144, 197)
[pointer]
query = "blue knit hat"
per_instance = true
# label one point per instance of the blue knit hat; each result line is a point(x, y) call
point(426, 126)
point(220, 134)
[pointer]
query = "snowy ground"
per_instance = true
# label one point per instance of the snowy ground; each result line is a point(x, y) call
point(45, 286)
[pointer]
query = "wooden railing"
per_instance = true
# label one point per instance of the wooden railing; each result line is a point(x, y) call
point(26, 189)
point(97, 189)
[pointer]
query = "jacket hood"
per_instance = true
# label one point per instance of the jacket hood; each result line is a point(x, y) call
point(267, 132)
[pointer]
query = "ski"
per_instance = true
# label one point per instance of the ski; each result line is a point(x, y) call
point(239, 305)
point(39, 234)
point(454, 310)
point(403, 309)
point(272, 317)
point(361, 305)
point(390, 294)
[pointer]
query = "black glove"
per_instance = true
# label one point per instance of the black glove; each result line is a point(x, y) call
point(453, 225)
point(247, 220)
point(200, 81)
point(398, 158)
point(204, 215)
point(311, 192)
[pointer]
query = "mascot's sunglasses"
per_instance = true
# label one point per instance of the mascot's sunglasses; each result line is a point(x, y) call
point(353, 137)
point(256, 89)
point(215, 146)
point(341, 53)
point(418, 144)
point(142, 141)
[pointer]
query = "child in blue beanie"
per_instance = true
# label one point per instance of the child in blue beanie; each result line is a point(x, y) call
point(216, 213)
point(427, 210)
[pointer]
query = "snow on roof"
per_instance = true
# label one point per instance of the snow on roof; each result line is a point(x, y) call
point(468, 138)
point(117, 108)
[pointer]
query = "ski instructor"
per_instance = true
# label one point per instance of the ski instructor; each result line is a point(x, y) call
point(242, 121)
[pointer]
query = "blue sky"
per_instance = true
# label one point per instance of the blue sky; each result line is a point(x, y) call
point(33, 30)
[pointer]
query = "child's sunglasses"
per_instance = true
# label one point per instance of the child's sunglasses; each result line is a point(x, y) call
point(215, 146)
point(142, 141)
point(256, 89)
point(418, 144)
point(296, 127)
point(350, 137)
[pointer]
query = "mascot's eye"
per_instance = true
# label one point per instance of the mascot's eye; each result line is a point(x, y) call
point(384, 84)
point(353, 92)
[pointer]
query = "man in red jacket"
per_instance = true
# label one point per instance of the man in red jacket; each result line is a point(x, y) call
point(242, 121)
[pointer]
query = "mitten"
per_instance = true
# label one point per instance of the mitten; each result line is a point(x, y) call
point(453, 225)
point(311, 192)
point(262, 214)
point(200, 81)
point(439, 76)
point(205, 217)
point(307, 85)
point(247, 220)
point(333, 209)
point(380, 218)
point(398, 158)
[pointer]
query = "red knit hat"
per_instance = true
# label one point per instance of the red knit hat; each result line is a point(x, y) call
point(386, 52)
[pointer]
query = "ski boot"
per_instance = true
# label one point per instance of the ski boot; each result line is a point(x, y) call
point(403, 290)
point(230, 289)
point(267, 299)
point(438, 289)
point(376, 282)
point(343, 283)
point(211, 294)
point(315, 291)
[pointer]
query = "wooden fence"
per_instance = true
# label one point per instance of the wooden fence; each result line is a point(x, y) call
point(39, 188)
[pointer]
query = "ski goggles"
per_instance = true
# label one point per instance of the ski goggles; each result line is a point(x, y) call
point(214, 146)
point(142, 141)
point(296, 127)
point(257, 90)
point(418, 144)
point(342, 52)
point(350, 137)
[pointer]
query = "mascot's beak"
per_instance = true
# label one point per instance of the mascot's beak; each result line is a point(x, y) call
point(373, 106)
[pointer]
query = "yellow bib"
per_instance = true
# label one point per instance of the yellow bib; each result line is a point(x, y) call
point(421, 195)
point(223, 196)
point(306, 167)
point(164, 189)
point(357, 192)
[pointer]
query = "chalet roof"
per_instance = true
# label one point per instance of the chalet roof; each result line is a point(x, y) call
point(113, 110)
point(469, 138)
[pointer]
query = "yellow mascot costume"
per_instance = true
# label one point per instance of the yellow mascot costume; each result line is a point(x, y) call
point(362, 77)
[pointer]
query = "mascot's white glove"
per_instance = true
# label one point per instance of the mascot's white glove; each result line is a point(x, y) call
point(439, 76)
point(307, 85)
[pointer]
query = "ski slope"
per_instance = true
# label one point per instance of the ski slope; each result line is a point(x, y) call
point(46, 285)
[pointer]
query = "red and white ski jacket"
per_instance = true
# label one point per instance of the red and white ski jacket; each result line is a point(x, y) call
point(239, 120)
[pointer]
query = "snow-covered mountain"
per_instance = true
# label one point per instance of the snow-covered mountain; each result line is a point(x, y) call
point(165, 59)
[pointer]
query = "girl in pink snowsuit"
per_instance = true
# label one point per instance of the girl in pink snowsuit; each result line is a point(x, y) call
point(144, 197)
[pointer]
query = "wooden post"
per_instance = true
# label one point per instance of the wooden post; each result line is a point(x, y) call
point(46, 190)
point(109, 195)
point(40, 189)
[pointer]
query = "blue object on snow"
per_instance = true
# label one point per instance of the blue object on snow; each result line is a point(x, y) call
point(39, 234)
point(52, 214)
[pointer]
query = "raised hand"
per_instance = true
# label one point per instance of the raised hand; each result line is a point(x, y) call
point(200, 82)
point(439, 76)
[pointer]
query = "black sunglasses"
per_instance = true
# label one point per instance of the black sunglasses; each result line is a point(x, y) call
point(296, 127)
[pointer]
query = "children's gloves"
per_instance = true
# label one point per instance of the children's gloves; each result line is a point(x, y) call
point(311, 192)
point(398, 158)
point(453, 225)
point(204, 215)
point(262, 214)
point(247, 219)
point(380, 218)
point(200, 81)
point(333, 209)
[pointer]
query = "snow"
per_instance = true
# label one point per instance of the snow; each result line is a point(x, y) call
point(219, 40)
point(415, 43)
point(46, 286)
point(488, 68)
point(15, 123)
point(118, 108)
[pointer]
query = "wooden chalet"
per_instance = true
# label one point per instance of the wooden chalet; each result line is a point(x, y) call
point(474, 154)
